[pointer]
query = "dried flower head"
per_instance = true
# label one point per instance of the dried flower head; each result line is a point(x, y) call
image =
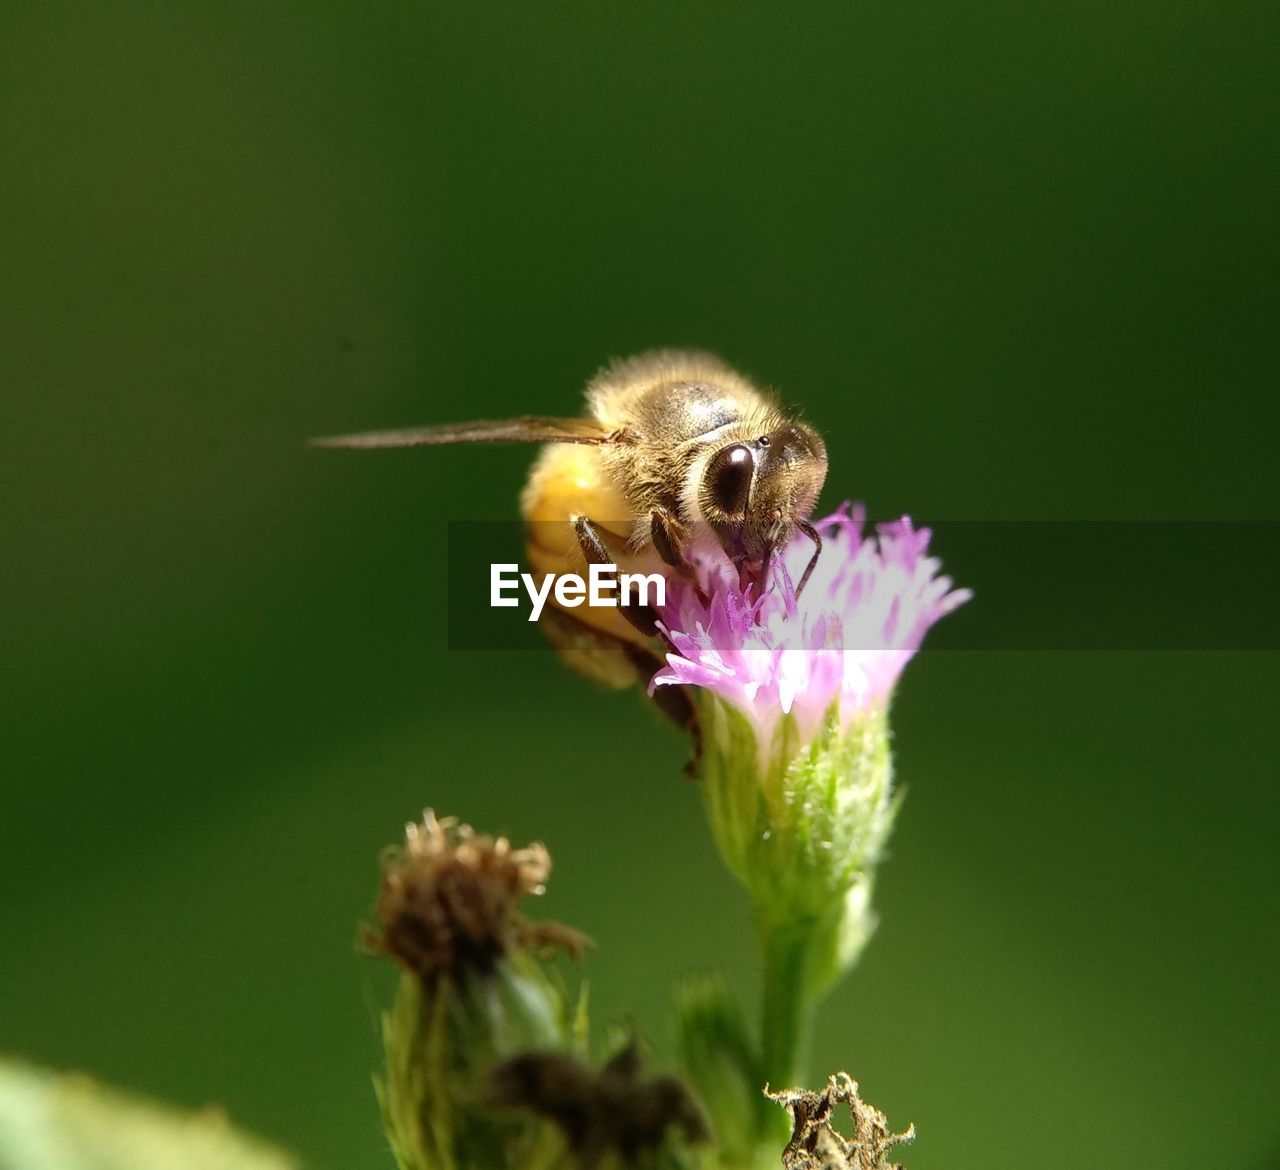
point(599, 1112)
point(843, 643)
point(815, 1143)
point(449, 900)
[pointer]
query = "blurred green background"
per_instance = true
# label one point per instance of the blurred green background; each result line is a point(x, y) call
point(1016, 261)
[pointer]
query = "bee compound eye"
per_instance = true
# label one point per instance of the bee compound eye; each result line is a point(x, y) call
point(728, 478)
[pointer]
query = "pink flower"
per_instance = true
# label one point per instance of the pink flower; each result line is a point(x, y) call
point(844, 642)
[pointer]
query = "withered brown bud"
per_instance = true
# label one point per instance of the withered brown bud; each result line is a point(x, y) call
point(449, 900)
point(815, 1143)
point(609, 1110)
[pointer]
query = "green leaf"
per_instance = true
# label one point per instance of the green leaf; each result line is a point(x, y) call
point(719, 1059)
point(57, 1121)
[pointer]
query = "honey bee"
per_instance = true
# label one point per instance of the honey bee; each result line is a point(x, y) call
point(678, 454)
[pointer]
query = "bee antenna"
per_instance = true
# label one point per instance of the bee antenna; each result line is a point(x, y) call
point(812, 533)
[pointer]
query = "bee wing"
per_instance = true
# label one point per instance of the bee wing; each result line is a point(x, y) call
point(526, 429)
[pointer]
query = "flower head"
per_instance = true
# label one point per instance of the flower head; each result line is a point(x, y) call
point(792, 695)
point(843, 642)
point(449, 900)
point(472, 991)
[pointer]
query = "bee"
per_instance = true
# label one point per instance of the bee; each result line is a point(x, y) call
point(677, 455)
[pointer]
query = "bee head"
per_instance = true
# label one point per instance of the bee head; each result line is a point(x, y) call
point(755, 493)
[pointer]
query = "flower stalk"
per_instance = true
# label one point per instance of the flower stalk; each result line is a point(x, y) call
point(793, 696)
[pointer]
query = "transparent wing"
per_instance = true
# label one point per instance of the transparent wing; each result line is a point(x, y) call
point(527, 429)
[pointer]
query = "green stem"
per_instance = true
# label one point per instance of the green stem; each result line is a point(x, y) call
point(787, 1010)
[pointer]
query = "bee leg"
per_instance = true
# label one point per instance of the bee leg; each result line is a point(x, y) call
point(663, 528)
point(640, 616)
point(675, 704)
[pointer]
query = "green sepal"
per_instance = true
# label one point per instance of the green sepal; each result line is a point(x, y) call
point(442, 1039)
point(800, 825)
point(721, 1062)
